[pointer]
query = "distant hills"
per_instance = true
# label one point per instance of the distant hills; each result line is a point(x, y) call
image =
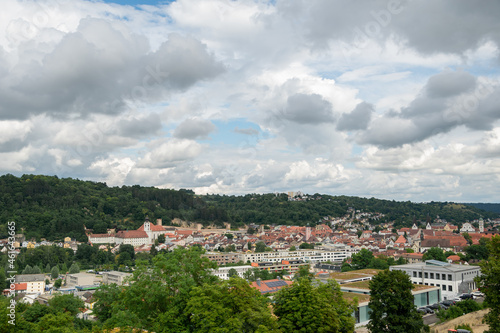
point(489, 207)
point(52, 208)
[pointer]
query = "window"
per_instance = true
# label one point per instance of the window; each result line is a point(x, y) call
point(414, 274)
point(450, 288)
point(426, 275)
point(432, 275)
point(449, 277)
point(443, 287)
point(419, 274)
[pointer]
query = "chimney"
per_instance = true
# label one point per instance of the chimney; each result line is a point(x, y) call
point(258, 282)
point(158, 222)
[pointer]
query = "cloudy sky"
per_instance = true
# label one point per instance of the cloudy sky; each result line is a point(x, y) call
point(391, 99)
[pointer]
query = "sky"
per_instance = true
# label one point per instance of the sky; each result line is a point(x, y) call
point(393, 99)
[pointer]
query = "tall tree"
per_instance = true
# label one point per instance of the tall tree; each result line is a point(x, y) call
point(303, 307)
point(489, 284)
point(434, 253)
point(260, 247)
point(74, 269)
point(54, 272)
point(361, 259)
point(391, 304)
point(231, 306)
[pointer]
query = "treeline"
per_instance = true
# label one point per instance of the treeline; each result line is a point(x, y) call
point(53, 208)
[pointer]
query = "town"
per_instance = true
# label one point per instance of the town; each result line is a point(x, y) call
point(439, 257)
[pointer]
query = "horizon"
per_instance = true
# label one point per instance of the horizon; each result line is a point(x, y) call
point(239, 97)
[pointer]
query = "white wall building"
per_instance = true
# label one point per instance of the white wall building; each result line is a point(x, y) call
point(450, 278)
point(35, 283)
point(312, 256)
point(223, 272)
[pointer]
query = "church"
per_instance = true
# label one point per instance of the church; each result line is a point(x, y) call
point(146, 234)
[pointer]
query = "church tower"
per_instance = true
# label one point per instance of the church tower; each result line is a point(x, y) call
point(481, 225)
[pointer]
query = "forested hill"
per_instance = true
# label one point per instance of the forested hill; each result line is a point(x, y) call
point(53, 208)
point(490, 207)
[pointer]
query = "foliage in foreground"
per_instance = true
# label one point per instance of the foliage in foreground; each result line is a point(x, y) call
point(489, 284)
point(459, 309)
point(391, 304)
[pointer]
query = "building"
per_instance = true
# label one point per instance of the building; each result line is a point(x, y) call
point(450, 278)
point(35, 283)
point(80, 279)
point(223, 258)
point(115, 277)
point(311, 256)
point(270, 286)
point(223, 272)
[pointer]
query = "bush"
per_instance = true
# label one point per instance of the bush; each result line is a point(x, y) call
point(464, 327)
point(458, 310)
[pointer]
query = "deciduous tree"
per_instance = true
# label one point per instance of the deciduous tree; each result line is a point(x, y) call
point(391, 304)
point(489, 284)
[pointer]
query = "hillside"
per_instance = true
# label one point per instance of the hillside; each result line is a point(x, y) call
point(52, 208)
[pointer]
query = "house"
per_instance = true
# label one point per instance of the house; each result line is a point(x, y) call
point(35, 283)
point(270, 286)
point(115, 277)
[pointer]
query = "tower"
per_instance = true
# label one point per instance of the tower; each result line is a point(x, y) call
point(147, 225)
point(481, 225)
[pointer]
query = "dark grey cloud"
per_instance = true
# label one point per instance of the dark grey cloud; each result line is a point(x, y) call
point(449, 26)
point(246, 131)
point(308, 109)
point(98, 69)
point(450, 83)
point(194, 129)
point(139, 126)
point(448, 100)
point(357, 119)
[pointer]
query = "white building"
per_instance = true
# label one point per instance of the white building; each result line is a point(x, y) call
point(223, 272)
point(80, 279)
point(35, 283)
point(467, 227)
point(312, 256)
point(451, 279)
point(114, 277)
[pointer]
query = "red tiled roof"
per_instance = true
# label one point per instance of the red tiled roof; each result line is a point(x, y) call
point(132, 234)
point(20, 286)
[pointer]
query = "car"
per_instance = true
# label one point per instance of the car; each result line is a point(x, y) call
point(448, 302)
point(437, 306)
point(477, 294)
point(466, 296)
point(425, 310)
point(457, 299)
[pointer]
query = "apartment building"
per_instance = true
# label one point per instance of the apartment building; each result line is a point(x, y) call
point(35, 283)
point(114, 277)
point(311, 256)
point(452, 279)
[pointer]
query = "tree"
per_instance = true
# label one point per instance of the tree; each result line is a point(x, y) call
point(231, 306)
point(467, 237)
point(74, 269)
point(229, 236)
point(303, 273)
point(489, 284)
point(305, 246)
point(58, 283)
point(303, 307)
point(260, 247)
point(293, 248)
point(232, 273)
point(28, 270)
point(47, 268)
point(391, 304)
point(100, 228)
point(434, 253)
point(361, 259)
point(54, 272)
point(161, 239)
point(66, 303)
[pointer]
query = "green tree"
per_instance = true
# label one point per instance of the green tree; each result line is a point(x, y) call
point(434, 253)
point(293, 248)
point(305, 246)
point(74, 269)
point(66, 303)
point(106, 295)
point(489, 284)
point(47, 268)
point(64, 268)
point(161, 239)
point(58, 283)
point(54, 272)
point(28, 270)
point(231, 306)
point(391, 304)
point(304, 273)
point(467, 237)
point(232, 273)
point(361, 259)
point(303, 307)
point(260, 247)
